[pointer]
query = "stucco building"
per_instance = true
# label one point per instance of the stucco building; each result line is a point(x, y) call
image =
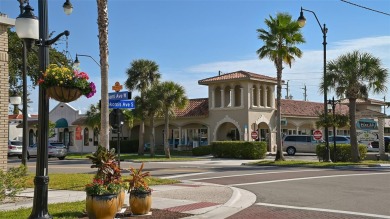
point(238, 104)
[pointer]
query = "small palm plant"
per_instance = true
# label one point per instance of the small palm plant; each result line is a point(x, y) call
point(139, 180)
point(108, 177)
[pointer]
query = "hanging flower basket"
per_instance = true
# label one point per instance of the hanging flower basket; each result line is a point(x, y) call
point(63, 94)
point(66, 85)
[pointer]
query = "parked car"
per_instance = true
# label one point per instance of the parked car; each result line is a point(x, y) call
point(15, 148)
point(55, 149)
point(299, 143)
point(340, 139)
point(374, 145)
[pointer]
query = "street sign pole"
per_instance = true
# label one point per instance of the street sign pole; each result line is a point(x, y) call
point(118, 111)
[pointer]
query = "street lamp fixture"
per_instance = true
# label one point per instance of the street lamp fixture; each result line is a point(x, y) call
point(76, 62)
point(15, 101)
point(332, 103)
point(324, 30)
point(68, 7)
point(27, 28)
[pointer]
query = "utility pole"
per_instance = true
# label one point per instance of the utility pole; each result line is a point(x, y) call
point(304, 93)
point(286, 97)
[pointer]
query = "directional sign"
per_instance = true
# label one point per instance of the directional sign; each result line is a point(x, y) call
point(121, 104)
point(123, 95)
point(254, 135)
point(317, 134)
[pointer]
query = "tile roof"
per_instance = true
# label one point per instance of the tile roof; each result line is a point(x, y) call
point(195, 108)
point(242, 75)
point(20, 116)
point(80, 121)
point(306, 108)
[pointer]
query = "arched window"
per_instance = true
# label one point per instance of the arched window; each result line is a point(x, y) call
point(86, 137)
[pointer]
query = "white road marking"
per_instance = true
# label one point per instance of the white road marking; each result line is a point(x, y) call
point(304, 178)
point(324, 210)
point(251, 174)
point(184, 175)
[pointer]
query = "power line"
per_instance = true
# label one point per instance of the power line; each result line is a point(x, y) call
point(365, 7)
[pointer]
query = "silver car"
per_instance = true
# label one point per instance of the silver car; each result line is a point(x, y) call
point(55, 149)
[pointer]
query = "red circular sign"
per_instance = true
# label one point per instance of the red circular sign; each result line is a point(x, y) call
point(254, 135)
point(317, 134)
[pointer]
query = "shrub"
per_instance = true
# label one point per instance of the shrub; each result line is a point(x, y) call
point(201, 150)
point(12, 182)
point(239, 149)
point(343, 152)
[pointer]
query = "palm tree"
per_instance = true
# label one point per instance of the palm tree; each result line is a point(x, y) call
point(103, 50)
point(171, 96)
point(279, 46)
point(141, 76)
point(153, 108)
point(354, 75)
point(93, 117)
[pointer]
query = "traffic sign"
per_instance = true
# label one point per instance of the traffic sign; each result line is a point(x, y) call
point(317, 134)
point(254, 135)
point(123, 95)
point(121, 104)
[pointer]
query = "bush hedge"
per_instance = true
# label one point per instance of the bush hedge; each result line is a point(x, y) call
point(343, 152)
point(201, 150)
point(12, 182)
point(239, 149)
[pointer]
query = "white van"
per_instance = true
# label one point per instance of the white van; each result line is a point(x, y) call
point(299, 143)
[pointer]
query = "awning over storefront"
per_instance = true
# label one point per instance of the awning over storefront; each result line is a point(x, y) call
point(62, 123)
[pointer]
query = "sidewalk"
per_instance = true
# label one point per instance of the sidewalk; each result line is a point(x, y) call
point(202, 200)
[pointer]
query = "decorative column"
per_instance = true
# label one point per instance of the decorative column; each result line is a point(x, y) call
point(212, 99)
point(265, 98)
point(232, 97)
point(222, 98)
point(258, 95)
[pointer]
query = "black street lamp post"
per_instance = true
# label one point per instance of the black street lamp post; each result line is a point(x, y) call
point(333, 103)
point(27, 28)
point(324, 30)
point(76, 62)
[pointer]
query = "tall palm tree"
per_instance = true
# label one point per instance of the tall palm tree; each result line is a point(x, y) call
point(142, 74)
point(103, 50)
point(354, 75)
point(280, 40)
point(171, 96)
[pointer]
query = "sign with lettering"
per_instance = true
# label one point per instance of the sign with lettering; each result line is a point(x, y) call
point(367, 124)
point(123, 95)
point(121, 104)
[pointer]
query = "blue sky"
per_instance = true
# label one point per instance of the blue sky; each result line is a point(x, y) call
point(194, 39)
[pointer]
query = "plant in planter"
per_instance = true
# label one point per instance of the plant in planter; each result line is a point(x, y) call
point(140, 193)
point(65, 85)
point(105, 195)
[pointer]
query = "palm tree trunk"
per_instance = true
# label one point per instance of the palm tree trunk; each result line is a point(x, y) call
point(279, 152)
point(354, 145)
point(141, 138)
point(166, 134)
point(152, 134)
point(103, 47)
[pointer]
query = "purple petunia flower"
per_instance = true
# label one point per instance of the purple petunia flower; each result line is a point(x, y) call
point(93, 90)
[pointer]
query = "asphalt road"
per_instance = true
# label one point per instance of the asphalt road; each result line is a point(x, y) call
point(332, 193)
